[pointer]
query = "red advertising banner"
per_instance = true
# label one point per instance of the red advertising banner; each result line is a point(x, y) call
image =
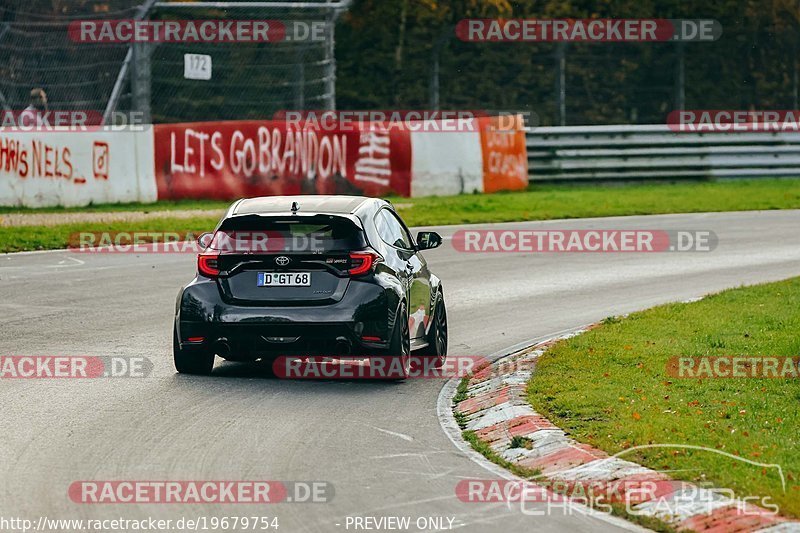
point(228, 160)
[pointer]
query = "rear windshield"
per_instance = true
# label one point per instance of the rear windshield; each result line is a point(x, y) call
point(312, 234)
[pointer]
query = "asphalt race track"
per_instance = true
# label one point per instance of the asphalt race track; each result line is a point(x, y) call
point(380, 444)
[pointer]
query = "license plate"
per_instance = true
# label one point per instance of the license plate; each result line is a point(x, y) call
point(284, 279)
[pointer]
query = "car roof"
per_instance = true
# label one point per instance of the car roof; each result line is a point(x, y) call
point(327, 204)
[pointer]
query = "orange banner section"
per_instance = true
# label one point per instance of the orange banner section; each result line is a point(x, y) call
point(505, 158)
point(228, 160)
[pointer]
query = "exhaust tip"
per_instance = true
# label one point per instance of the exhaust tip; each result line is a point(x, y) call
point(343, 346)
point(222, 348)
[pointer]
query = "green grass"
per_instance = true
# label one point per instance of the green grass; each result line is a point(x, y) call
point(461, 391)
point(539, 202)
point(545, 202)
point(163, 205)
point(16, 239)
point(609, 387)
point(484, 449)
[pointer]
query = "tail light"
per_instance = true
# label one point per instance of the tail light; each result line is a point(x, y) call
point(363, 262)
point(208, 265)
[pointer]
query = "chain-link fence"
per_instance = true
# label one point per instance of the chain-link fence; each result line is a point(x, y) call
point(392, 54)
point(414, 59)
point(614, 83)
point(36, 51)
point(249, 80)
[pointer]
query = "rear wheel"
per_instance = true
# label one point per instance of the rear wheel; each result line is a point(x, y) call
point(199, 361)
point(400, 344)
point(437, 336)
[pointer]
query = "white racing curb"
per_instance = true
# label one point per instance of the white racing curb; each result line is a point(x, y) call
point(444, 411)
point(497, 410)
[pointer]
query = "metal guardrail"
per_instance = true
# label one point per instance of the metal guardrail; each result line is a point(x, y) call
point(656, 152)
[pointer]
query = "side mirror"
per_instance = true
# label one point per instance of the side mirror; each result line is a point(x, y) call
point(205, 239)
point(427, 240)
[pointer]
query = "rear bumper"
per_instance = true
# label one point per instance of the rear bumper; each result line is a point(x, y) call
point(255, 341)
point(252, 332)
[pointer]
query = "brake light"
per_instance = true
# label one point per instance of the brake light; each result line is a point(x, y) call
point(363, 262)
point(208, 265)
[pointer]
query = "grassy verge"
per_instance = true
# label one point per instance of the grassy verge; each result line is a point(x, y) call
point(610, 388)
point(484, 449)
point(539, 202)
point(17, 239)
point(163, 205)
point(581, 201)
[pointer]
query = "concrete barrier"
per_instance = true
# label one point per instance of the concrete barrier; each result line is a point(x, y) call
point(229, 160)
point(63, 168)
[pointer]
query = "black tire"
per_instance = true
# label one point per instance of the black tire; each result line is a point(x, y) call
point(199, 362)
point(437, 336)
point(400, 343)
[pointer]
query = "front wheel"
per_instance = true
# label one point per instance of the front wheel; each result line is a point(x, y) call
point(437, 336)
point(199, 361)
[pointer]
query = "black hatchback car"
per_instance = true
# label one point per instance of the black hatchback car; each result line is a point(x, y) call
point(310, 275)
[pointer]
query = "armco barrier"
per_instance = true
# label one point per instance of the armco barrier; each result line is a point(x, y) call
point(657, 152)
point(39, 169)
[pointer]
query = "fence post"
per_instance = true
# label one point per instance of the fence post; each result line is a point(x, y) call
point(141, 80)
point(561, 84)
point(436, 53)
point(300, 83)
point(680, 77)
point(434, 84)
point(330, 57)
point(795, 80)
point(3, 102)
